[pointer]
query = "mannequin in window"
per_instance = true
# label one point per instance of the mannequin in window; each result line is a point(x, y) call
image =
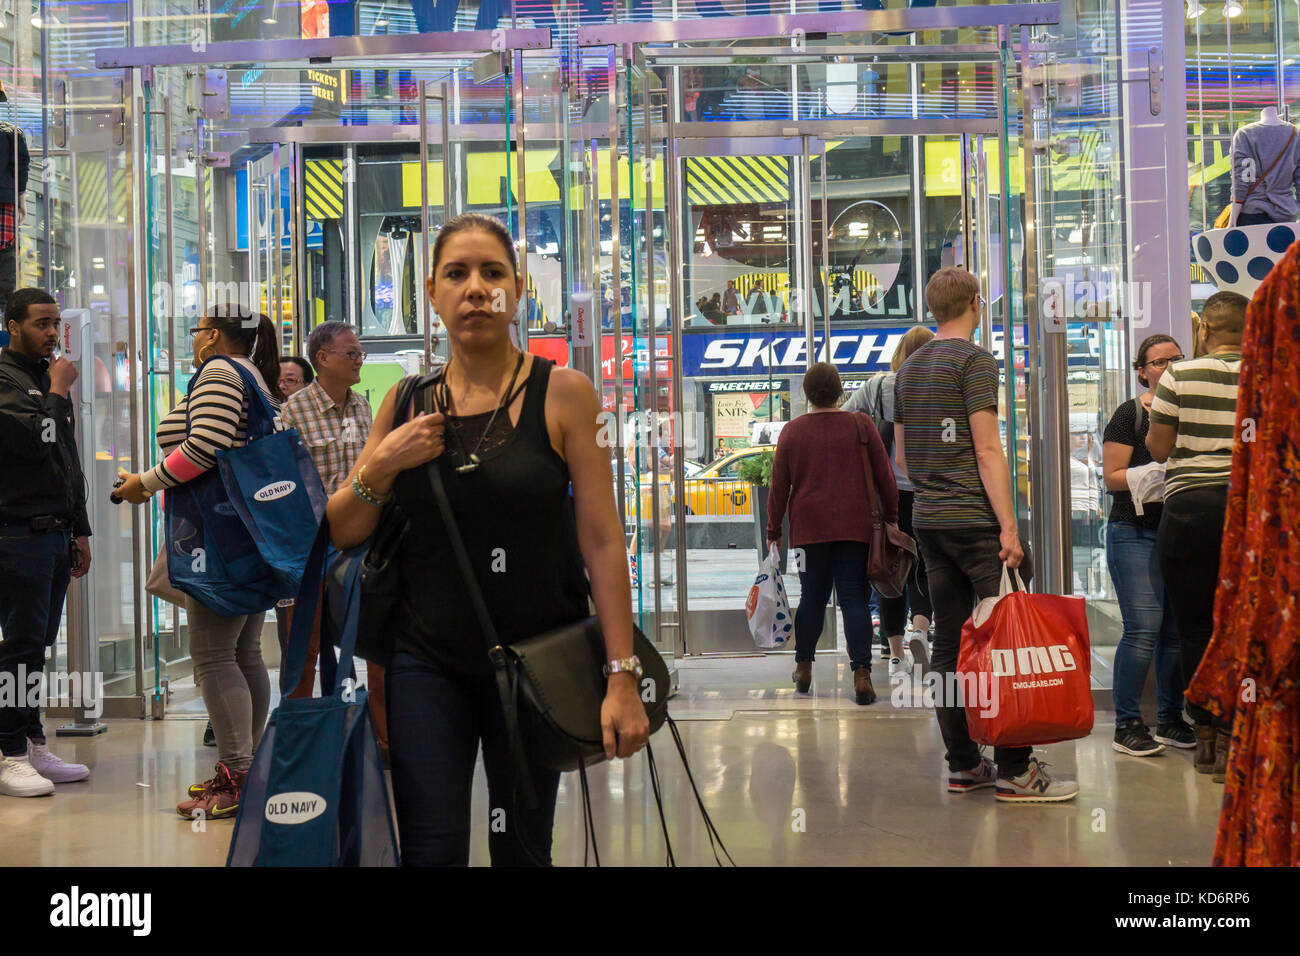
point(14, 165)
point(1265, 171)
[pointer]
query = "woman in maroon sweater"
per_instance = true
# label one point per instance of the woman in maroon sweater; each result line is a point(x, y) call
point(818, 477)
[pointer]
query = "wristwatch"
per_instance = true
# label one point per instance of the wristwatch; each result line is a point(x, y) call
point(625, 665)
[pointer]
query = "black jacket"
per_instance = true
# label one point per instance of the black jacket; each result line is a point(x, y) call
point(8, 180)
point(37, 477)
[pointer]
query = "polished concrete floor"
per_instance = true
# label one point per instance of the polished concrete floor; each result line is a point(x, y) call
point(789, 779)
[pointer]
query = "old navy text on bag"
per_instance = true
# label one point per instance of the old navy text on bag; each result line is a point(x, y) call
point(1024, 669)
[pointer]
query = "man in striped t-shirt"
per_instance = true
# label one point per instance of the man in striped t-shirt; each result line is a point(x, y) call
point(1193, 424)
point(948, 444)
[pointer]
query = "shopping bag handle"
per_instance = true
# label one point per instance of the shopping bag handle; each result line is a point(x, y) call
point(1008, 573)
point(333, 672)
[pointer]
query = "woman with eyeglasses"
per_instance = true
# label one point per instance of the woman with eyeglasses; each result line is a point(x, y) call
point(1149, 628)
point(227, 651)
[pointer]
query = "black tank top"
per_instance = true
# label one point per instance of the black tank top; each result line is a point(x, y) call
point(515, 512)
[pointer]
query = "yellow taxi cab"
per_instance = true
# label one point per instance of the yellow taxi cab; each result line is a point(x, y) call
point(713, 489)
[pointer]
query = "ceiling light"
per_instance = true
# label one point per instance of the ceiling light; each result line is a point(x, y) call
point(1194, 9)
point(1232, 9)
point(270, 19)
point(36, 20)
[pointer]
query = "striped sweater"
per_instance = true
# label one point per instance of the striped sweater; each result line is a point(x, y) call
point(1199, 398)
point(220, 421)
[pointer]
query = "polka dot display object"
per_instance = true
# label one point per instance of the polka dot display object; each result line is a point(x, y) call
point(1238, 259)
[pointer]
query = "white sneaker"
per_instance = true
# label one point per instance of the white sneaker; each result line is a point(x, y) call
point(18, 778)
point(53, 768)
point(898, 670)
point(914, 641)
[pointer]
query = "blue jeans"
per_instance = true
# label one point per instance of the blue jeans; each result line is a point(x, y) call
point(34, 574)
point(1149, 627)
point(435, 720)
point(842, 564)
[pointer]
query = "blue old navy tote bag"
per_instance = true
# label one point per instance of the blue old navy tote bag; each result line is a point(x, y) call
point(239, 534)
point(315, 794)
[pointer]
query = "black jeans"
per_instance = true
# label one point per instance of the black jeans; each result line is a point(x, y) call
point(895, 612)
point(1188, 543)
point(435, 720)
point(844, 565)
point(34, 574)
point(963, 567)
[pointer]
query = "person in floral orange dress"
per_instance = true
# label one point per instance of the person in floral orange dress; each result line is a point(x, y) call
point(1250, 669)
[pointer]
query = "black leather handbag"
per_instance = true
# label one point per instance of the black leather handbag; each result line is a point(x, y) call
point(552, 687)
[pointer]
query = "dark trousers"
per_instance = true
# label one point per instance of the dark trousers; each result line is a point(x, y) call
point(34, 573)
point(963, 567)
point(1253, 218)
point(435, 721)
point(1188, 543)
point(8, 272)
point(843, 565)
point(895, 612)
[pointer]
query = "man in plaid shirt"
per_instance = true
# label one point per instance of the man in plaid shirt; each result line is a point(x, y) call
point(334, 422)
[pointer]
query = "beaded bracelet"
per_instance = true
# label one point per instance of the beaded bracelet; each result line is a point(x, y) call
point(365, 492)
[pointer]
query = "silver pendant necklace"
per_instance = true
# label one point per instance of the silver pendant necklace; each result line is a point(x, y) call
point(472, 460)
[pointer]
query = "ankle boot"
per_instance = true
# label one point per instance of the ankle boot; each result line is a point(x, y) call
point(1222, 744)
point(802, 676)
point(863, 692)
point(1203, 761)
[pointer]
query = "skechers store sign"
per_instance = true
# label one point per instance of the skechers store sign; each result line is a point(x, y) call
point(713, 354)
point(861, 351)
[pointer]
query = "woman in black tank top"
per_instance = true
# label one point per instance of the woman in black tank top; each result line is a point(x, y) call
point(514, 440)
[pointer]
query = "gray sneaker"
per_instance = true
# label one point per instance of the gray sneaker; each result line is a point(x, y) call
point(1035, 785)
point(977, 778)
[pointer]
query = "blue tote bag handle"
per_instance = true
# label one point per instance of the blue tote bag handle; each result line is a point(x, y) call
point(304, 615)
point(261, 417)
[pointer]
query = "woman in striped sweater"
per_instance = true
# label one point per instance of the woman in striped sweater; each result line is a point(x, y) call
point(227, 651)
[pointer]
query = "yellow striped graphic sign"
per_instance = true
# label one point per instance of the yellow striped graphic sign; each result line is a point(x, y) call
point(324, 192)
point(92, 190)
point(777, 284)
point(1207, 168)
point(719, 180)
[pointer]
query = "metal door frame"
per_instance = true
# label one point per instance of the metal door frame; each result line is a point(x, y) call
point(796, 136)
point(136, 63)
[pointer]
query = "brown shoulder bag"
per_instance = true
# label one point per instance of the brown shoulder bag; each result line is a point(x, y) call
point(891, 555)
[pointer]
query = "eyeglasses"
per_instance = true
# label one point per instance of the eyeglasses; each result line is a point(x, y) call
point(353, 355)
point(1161, 363)
point(201, 328)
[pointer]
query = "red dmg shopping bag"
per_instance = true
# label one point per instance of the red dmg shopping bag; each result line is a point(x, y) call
point(1025, 668)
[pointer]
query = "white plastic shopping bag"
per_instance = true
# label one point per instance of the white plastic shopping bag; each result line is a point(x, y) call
point(767, 607)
